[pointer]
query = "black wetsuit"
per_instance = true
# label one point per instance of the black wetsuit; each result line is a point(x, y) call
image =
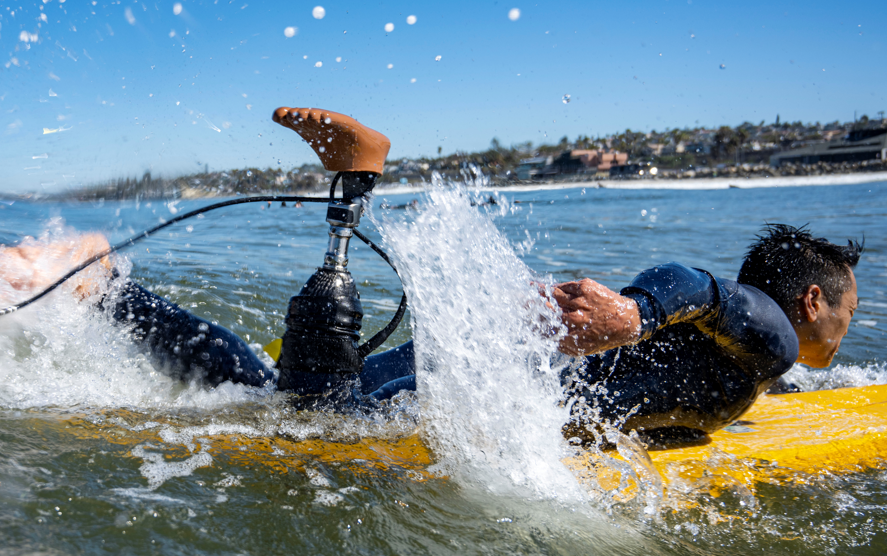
point(710, 347)
point(189, 347)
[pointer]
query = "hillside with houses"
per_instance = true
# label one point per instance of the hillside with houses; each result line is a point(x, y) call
point(747, 150)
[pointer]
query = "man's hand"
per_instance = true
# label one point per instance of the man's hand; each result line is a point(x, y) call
point(34, 265)
point(597, 318)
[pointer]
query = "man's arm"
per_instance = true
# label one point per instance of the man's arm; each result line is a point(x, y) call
point(743, 320)
point(185, 345)
point(33, 265)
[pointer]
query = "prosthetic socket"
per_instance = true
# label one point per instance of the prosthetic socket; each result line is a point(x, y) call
point(324, 320)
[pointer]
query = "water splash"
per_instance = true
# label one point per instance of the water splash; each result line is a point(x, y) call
point(62, 352)
point(488, 391)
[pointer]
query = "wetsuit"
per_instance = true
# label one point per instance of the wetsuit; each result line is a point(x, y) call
point(188, 347)
point(709, 348)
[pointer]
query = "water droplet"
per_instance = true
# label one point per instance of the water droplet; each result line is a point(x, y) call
point(290, 32)
point(514, 14)
point(338, 58)
point(411, 20)
point(177, 8)
point(321, 149)
point(390, 66)
point(566, 99)
point(318, 64)
point(723, 66)
point(389, 27)
point(437, 58)
point(328, 121)
point(413, 80)
point(318, 12)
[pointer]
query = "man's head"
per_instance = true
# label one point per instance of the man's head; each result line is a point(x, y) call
point(811, 280)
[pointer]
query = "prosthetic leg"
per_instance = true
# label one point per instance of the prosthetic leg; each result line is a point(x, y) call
point(320, 358)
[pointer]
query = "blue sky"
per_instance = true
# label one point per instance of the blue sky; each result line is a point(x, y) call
point(143, 85)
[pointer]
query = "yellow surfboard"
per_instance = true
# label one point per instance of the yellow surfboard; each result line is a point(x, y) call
point(842, 430)
point(781, 438)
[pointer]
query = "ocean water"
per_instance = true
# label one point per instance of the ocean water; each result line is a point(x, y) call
point(101, 452)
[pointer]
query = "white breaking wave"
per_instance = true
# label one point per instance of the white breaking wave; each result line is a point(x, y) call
point(839, 376)
point(689, 184)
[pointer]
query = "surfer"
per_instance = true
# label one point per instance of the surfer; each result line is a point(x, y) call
point(680, 353)
point(490, 201)
point(677, 354)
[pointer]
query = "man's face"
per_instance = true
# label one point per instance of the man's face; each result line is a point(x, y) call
point(820, 338)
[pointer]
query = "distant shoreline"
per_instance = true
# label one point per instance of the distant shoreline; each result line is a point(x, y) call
point(686, 184)
point(678, 184)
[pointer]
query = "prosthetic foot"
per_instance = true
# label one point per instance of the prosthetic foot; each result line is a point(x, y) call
point(341, 143)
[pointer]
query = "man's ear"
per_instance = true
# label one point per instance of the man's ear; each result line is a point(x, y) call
point(809, 303)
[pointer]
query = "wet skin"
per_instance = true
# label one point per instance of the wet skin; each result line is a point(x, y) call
point(596, 317)
point(820, 326)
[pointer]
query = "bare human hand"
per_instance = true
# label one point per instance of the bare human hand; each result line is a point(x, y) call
point(34, 265)
point(596, 317)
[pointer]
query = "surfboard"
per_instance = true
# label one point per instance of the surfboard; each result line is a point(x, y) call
point(788, 437)
point(842, 430)
point(781, 439)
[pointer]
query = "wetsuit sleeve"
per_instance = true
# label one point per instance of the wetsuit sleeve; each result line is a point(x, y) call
point(744, 321)
point(185, 345)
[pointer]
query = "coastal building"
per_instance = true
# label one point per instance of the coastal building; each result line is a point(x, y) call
point(605, 161)
point(857, 146)
point(673, 148)
point(576, 161)
point(699, 147)
point(531, 168)
point(633, 170)
point(653, 149)
point(584, 162)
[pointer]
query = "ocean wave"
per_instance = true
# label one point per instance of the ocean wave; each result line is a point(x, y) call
point(839, 376)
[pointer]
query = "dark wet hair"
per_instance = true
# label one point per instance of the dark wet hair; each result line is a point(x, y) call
point(785, 261)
